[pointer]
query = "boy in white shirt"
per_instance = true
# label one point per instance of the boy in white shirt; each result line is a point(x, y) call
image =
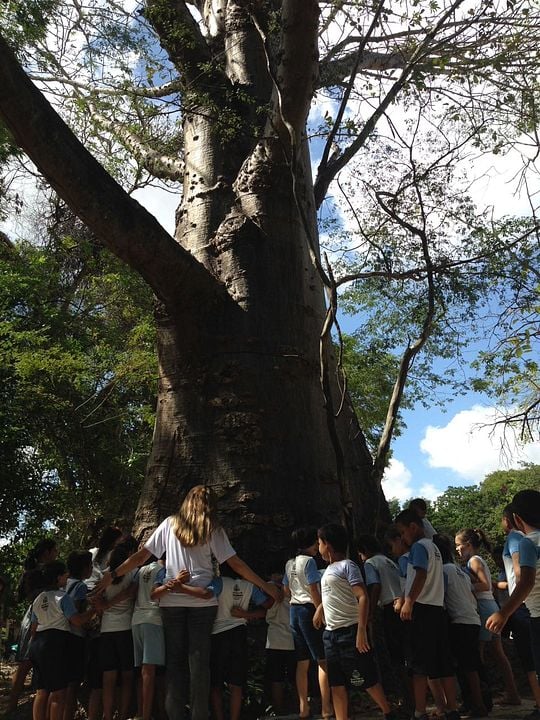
point(344, 613)
point(423, 608)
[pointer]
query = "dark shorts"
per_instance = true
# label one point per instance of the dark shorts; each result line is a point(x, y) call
point(534, 624)
point(308, 642)
point(345, 665)
point(465, 646)
point(116, 651)
point(394, 635)
point(50, 655)
point(77, 663)
point(228, 657)
point(94, 673)
point(427, 646)
point(520, 627)
point(280, 666)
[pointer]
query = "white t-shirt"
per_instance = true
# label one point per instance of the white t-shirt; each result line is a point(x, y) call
point(234, 593)
point(51, 610)
point(197, 560)
point(529, 556)
point(279, 635)
point(459, 598)
point(482, 594)
point(146, 610)
point(98, 568)
point(117, 618)
point(339, 602)
point(300, 573)
point(380, 570)
point(424, 554)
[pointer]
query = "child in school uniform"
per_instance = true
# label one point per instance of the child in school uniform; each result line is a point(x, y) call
point(526, 515)
point(464, 628)
point(301, 584)
point(148, 638)
point(385, 589)
point(423, 608)
point(228, 654)
point(116, 642)
point(344, 613)
point(79, 564)
point(468, 543)
point(53, 613)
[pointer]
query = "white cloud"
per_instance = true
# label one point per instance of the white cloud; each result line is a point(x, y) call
point(397, 481)
point(428, 491)
point(472, 446)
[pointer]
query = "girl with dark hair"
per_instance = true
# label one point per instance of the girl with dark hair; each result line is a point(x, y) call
point(30, 584)
point(53, 612)
point(110, 537)
point(468, 543)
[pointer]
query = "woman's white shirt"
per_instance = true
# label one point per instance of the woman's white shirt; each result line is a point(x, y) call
point(198, 560)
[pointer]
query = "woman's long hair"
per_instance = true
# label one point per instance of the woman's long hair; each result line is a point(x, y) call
point(197, 518)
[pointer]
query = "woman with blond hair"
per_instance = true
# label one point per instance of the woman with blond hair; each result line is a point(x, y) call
point(191, 539)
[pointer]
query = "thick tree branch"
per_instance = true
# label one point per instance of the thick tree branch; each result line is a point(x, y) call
point(181, 37)
point(328, 172)
point(158, 91)
point(123, 225)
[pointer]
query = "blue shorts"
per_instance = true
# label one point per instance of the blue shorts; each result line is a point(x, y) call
point(485, 609)
point(148, 644)
point(307, 640)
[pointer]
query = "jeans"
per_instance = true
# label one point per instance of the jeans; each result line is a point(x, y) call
point(187, 649)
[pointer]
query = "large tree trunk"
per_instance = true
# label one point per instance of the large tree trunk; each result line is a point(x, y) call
point(240, 302)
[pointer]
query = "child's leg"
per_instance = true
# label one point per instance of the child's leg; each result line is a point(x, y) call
point(235, 702)
point(420, 692)
point(302, 668)
point(450, 692)
point(216, 698)
point(94, 704)
point(326, 698)
point(109, 688)
point(512, 694)
point(70, 703)
point(39, 708)
point(159, 697)
point(17, 683)
point(126, 690)
point(475, 689)
point(340, 701)
point(148, 681)
point(437, 691)
point(56, 705)
point(376, 693)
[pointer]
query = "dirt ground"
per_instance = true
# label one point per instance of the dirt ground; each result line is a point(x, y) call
point(24, 710)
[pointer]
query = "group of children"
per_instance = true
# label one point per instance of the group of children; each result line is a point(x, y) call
point(436, 618)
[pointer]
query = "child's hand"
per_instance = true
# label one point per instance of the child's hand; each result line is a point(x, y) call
point(362, 642)
point(495, 622)
point(98, 603)
point(318, 618)
point(183, 576)
point(238, 612)
point(406, 610)
point(398, 604)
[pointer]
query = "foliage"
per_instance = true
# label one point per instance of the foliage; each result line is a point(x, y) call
point(481, 506)
point(77, 357)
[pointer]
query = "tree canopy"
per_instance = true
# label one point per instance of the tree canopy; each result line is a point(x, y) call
point(410, 100)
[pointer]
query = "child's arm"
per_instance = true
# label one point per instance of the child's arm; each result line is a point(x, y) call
point(416, 588)
point(256, 614)
point(480, 581)
point(315, 594)
point(319, 620)
point(528, 561)
point(374, 593)
point(362, 642)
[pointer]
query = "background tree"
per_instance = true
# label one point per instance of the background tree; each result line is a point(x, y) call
point(216, 94)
